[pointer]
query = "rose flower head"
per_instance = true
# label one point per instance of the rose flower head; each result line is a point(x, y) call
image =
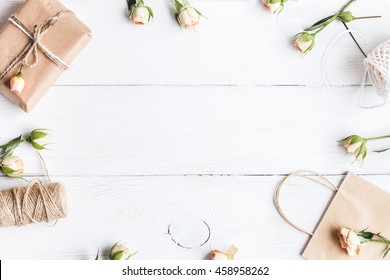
point(140, 14)
point(217, 255)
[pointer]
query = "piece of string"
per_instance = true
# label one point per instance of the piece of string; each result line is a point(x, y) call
point(306, 174)
point(190, 247)
point(32, 204)
point(325, 56)
point(44, 166)
point(377, 69)
point(35, 44)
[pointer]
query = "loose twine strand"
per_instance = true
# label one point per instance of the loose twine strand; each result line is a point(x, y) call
point(377, 70)
point(34, 45)
point(306, 175)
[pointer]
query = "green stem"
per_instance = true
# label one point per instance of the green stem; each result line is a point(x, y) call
point(335, 16)
point(368, 17)
point(378, 241)
point(377, 138)
point(354, 39)
point(332, 19)
point(346, 6)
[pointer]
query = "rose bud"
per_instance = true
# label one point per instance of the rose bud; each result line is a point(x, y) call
point(350, 241)
point(12, 166)
point(188, 18)
point(217, 255)
point(120, 252)
point(346, 17)
point(186, 15)
point(40, 138)
point(305, 42)
point(17, 84)
point(140, 14)
point(356, 145)
point(275, 6)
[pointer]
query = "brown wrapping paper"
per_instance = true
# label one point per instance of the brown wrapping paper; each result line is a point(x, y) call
point(65, 39)
point(358, 205)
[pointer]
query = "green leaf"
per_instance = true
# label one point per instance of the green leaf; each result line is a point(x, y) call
point(177, 20)
point(12, 145)
point(112, 248)
point(320, 23)
point(131, 3)
point(198, 12)
point(386, 252)
point(367, 235)
point(38, 135)
point(186, 3)
point(97, 255)
point(7, 170)
point(178, 5)
point(151, 15)
point(37, 146)
point(382, 151)
point(118, 256)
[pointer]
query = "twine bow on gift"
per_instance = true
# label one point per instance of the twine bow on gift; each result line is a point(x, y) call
point(35, 44)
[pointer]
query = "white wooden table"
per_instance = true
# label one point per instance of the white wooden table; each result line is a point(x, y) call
point(156, 125)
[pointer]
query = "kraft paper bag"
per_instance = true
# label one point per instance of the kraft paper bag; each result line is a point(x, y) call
point(358, 205)
point(64, 39)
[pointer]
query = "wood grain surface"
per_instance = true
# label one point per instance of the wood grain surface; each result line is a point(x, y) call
point(156, 125)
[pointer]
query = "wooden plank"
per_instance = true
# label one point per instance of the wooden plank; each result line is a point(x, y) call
point(138, 210)
point(239, 44)
point(198, 130)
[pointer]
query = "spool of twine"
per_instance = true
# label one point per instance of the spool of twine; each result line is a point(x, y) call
point(32, 204)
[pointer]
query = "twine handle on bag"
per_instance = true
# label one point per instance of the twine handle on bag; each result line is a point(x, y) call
point(306, 175)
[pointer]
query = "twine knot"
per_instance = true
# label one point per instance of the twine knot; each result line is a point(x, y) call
point(29, 55)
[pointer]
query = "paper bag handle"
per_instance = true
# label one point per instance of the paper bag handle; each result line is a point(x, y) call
point(306, 175)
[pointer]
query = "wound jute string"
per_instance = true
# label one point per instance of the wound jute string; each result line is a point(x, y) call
point(34, 203)
point(377, 70)
point(309, 175)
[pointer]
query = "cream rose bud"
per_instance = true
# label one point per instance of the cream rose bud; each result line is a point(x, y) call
point(217, 255)
point(350, 241)
point(274, 6)
point(40, 138)
point(352, 143)
point(140, 15)
point(17, 84)
point(188, 18)
point(12, 166)
point(120, 252)
point(304, 42)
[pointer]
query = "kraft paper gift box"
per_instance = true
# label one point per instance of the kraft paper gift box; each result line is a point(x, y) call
point(358, 205)
point(44, 35)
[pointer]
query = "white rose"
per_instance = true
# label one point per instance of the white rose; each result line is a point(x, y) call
point(188, 18)
point(350, 241)
point(217, 255)
point(274, 8)
point(12, 166)
point(119, 252)
point(304, 42)
point(39, 138)
point(140, 15)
